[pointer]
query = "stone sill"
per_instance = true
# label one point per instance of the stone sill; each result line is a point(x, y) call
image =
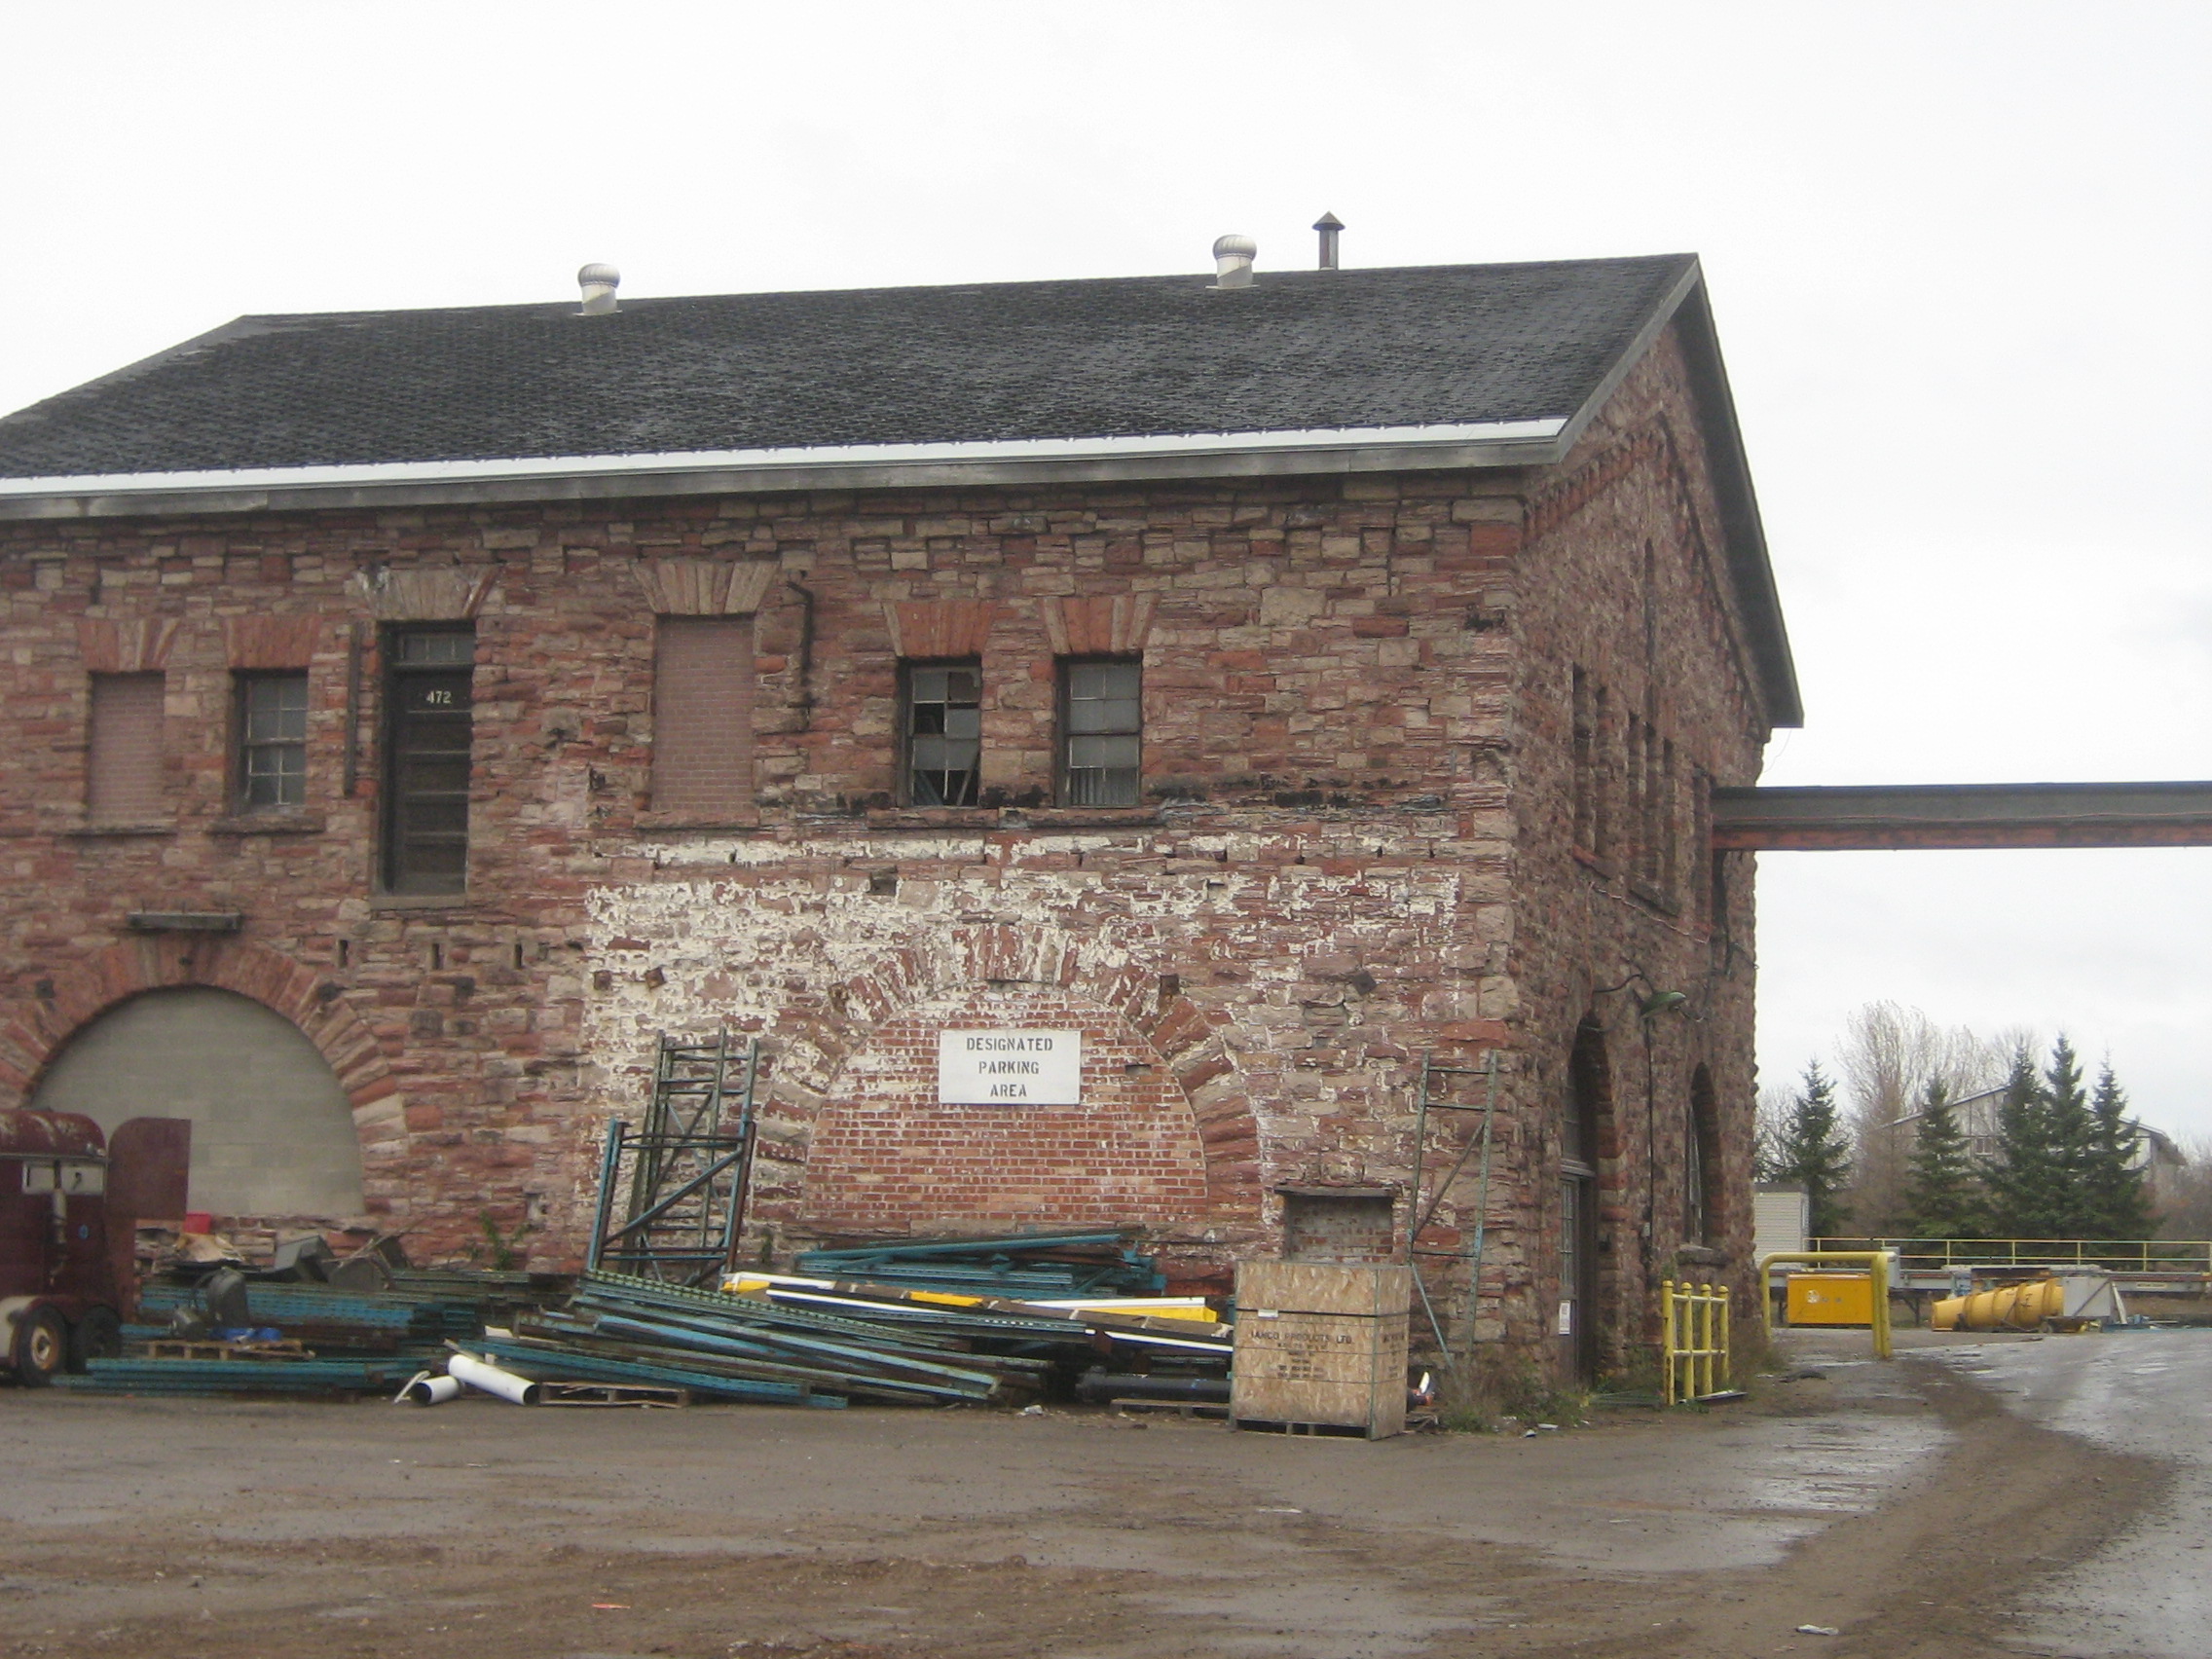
point(1082, 817)
point(420, 901)
point(1014, 818)
point(102, 831)
point(271, 823)
point(684, 823)
point(1604, 868)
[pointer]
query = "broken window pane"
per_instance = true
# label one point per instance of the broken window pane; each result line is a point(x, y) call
point(945, 733)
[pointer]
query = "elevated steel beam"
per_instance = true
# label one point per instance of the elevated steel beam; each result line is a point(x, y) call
point(1931, 815)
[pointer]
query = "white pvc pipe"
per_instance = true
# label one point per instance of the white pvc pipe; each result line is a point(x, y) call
point(423, 1390)
point(479, 1374)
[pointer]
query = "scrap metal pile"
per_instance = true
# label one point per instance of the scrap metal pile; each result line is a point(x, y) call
point(223, 1325)
point(828, 1342)
point(927, 1325)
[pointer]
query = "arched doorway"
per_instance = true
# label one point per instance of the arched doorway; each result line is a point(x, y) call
point(271, 1129)
point(1577, 1333)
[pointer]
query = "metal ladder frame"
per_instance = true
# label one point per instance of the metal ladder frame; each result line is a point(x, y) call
point(690, 1168)
point(1418, 1218)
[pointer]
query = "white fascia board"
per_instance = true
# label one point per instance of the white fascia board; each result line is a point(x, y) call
point(846, 467)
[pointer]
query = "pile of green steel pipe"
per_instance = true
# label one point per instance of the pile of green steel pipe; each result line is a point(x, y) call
point(643, 1331)
point(237, 1377)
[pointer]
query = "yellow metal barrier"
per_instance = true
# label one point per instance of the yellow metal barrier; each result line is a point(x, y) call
point(2122, 1255)
point(1875, 1262)
point(1696, 1321)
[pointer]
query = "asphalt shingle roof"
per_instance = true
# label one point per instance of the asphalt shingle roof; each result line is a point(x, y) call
point(1125, 356)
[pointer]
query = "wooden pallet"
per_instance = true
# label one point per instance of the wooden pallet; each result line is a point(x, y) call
point(175, 1347)
point(611, 1394)
point(1317, 1430)
point(1179, 1408)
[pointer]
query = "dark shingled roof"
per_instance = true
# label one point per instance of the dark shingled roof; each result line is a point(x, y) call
point(1420, 345)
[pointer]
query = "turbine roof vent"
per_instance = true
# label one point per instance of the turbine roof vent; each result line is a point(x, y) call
point(598, 282)
point(1232, 257)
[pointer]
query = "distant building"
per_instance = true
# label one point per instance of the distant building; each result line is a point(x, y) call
point(2156, 1154)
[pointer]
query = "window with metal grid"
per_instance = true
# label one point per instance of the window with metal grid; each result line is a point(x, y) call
point(123, 763)
point(429, 729)
point(272, 726)
point(945, 733)
point(1101, 732)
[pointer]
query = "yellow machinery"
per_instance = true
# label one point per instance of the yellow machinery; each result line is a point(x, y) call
point(1874, 1263)
point(2026, 1307)
point(1829, 1299)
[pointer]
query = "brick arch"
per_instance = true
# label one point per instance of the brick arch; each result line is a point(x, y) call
point(37, 1032)
point(1189, 1040)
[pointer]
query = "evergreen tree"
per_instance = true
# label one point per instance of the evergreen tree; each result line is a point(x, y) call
point(1810, 1150)
point(2118, 1206)
point(2072, 1133)
point(1942, 1196)
point(2025, 1190)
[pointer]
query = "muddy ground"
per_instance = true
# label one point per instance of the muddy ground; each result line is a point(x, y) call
point(1885, 1501)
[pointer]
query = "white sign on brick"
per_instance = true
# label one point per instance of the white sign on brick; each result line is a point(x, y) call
point(1010, 1068)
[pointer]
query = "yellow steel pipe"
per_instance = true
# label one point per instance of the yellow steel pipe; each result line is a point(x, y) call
point(1877, 1265)
point(2006, 1308)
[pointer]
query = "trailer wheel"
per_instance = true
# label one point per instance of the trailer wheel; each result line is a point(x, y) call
point(42, 1348)
point(99, 1336)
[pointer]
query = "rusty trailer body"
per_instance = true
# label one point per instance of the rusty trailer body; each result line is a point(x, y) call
point(69, 1206)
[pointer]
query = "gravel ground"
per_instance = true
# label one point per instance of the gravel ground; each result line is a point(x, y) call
point(1876, 1500)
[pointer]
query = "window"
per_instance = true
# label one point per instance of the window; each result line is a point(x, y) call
point(945, 733)
point(272, 726)
point(428, 729)
point(1101, 725)
point(1634, 823)
point(1701, 1162)
point(123, 764)
point(703, 716)
point(1584, 726)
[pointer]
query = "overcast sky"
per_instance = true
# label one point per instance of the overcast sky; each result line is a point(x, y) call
point(1959, 255)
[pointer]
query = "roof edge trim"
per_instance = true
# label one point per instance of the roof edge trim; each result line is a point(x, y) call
point(1208, 455)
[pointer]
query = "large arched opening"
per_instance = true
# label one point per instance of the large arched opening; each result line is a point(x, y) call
point(272, 1128)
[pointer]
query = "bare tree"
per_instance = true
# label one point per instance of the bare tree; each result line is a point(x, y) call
point(2185, 1210)
point(1887, 1057)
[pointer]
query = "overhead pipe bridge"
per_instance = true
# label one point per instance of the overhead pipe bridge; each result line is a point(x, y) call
point(1917, 817)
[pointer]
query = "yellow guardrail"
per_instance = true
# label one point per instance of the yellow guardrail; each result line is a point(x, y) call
point(2123, 1255)
point(1875, 1262)
point(1695, 1317)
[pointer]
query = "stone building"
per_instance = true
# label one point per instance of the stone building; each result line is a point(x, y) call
point(407, 716)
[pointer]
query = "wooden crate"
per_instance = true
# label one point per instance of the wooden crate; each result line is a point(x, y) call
point(1320, 1344)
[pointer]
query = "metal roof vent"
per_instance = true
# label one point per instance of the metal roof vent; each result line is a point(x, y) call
point(1232, 257)
point(598, 282)
point(1331, 226)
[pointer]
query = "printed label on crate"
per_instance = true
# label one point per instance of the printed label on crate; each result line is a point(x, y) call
point(1010, 1068)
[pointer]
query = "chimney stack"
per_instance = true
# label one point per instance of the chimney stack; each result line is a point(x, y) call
point(598, 282)
point(1232, 257)
point(1330, 227)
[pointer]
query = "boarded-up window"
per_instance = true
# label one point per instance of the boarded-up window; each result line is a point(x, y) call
point(703, 716)
point(122, 774)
